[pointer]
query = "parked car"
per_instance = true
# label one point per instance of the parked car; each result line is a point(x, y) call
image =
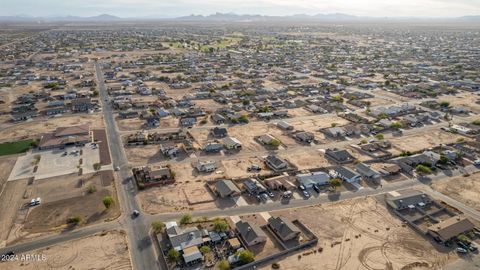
point(302, 187)
point(254, 168)
point(306, 194)
point(316, 188)
point(476, 162)
point(270, 194)
point(135, 213)
point(36, 201)
point(287, 194)
point(461, 250)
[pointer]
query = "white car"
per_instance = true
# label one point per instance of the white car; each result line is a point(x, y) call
point(476, 162)
point(36, 201)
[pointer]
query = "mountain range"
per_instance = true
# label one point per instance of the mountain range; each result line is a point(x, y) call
point(223, 17)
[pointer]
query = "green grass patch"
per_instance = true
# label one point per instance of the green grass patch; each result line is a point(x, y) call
point(15, 147)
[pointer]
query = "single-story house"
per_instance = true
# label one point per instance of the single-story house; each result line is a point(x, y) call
point(250, 233)
point(226, 188)
point(346, 174)
point(283, 228)
point(315, 178)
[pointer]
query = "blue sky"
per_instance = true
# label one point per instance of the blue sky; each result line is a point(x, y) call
point(173, 8)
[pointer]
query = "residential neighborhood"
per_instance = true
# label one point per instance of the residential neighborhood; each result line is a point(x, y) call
point(232, 141)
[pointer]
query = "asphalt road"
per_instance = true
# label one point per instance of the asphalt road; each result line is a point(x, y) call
point(141, 247)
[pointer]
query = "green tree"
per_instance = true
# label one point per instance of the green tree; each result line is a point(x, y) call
point(204, 249)
point(396, 125)
point(382, 116)
point(244, 118)
point(476, 122)
point(91, 188)
point(275, 143)
point(220, 225)
point(422, 169)
point(379, 136)
point(158, 226)
point(246, 256)
point(443, 159)
point(335, 183)
point(107, 201)
point(74, 220)
point(223, 265)
point(444, 104)
point(97, 166)
point(173, 255)
point(187, 218)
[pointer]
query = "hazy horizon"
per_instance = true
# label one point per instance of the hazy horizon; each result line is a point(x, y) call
point(152, 8)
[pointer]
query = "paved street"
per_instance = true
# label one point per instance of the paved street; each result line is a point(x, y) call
point(137, 229)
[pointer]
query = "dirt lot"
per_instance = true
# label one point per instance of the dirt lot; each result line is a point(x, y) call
point(68, 196)
point(143, 154)
point(463, 99)
point(11, 197)
point(321, 121)
point(130, 124)
point(178, 197)
point(361, 234)
point(306, 158)
point(29, 129)
point(422, 140)
point(462, 189)
point(6, 165)
point(101, 251)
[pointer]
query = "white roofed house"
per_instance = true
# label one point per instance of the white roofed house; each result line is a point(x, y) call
point(206, 166)
point(232, 143)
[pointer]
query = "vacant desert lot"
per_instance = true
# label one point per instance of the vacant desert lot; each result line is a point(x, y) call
point(30, 129)
point(6, 165)
point(69, 196)
point(107, 250)
point(361, 234)
point(462, 189)
point(463, 99)
point(423, 140)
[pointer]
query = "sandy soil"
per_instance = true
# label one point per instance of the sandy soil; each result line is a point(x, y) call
point(462, 189)
point(12, 196)
point(306, 158)
point(322, 121)
point(37, 127)
point(68, 197)
point(422, 140)
point(130, 124)
point(6, 166)
point(101, 251)
point(177, 197)
point(361, 234)
point(463, 99)
point(142, 154)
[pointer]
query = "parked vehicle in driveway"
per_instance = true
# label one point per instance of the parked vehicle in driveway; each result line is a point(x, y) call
point(287, 194)
point(254, 168)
